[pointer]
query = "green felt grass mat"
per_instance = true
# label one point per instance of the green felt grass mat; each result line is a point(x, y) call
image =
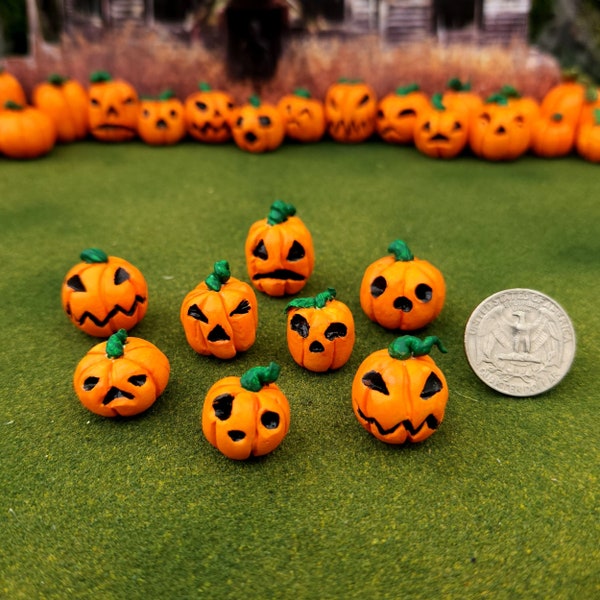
point(501, 502)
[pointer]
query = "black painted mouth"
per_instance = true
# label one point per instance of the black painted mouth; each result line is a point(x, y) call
point(115, 311)
point(280, 274)
point(431, 422)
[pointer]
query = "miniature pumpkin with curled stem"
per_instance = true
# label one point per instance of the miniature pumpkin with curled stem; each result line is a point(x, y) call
point(527, 106)
point(220, 315)
point(459, 96)
point(208, 114)
point(65, 101)
point(279, 250)
point(399, 394)
point(246, 416)
point(320, 331)
point(10, 89)
point(103, 294)
point(25, 131)
point(401, 291)
point(161, 121)
point(122, 376)
point(304, 116)
point(257, 126)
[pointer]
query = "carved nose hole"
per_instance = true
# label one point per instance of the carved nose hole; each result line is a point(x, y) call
point(316, 347)
point(112, 111)
point(403, 303)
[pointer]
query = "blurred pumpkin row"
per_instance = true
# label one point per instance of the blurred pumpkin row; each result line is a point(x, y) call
point(502, 127)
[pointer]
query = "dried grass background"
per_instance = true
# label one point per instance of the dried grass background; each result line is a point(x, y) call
point(153, 61)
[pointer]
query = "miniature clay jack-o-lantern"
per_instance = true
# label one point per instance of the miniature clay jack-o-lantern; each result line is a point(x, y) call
point(441, 132)
point(567, 98)
point(248, 415)
point(304, 116)
point(552, 136)
point(499, 131)
point(65, 101)
point(122, 376)
point(320, 332)
point(399, 394)
point(401, 291)
point(459, 97)
point(350, 111)
point(397, 113)
point(104, 293)
point(257, 127)
point(525, 105)
point(279, 252)
point(25, 131)
point(10, 89)
point(161, 121)
point(220, 315)
point(113, 108)
point(208, 115)
point(588, 139)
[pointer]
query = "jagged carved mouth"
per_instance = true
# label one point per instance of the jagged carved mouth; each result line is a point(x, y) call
point(114, 394)
point(280, 274)
point(439, 137)
point(209, 128)
point(431, 422)
point(115, 311)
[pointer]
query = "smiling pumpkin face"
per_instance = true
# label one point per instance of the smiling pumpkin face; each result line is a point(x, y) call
point(279, 252)
point(208, 115)
point(113, 108)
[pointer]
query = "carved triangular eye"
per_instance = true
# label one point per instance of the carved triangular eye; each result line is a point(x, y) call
point(121, 275)
point(222, 405)
point(378, 286)
point(195, 312)
point(137, 380)
point(432, 386)
point(300, 325)
point(241, 309)
point(76, 284)
point(374, 381)
point(296, 251)
point(261, 251)
point(336, 330)
point(90, 383)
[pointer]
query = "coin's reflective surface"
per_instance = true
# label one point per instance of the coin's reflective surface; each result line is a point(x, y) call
point(520, 342)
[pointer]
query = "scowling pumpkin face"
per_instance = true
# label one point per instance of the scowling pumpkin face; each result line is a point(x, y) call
point(220, 315)
point(399, 394)
point(279, 252)
point(257, 127)
point(113, 108)
point(104, 293)
point(304, 116)
point(320, 332)
point(160, 121)
point(401, 291)
point(397, 113)
point(208, 115)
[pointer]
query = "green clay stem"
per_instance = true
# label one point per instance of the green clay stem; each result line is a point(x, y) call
point(404, 90)
point(204, 87)
point(436, 101)
point(400, 251)
point(597, 116)
point(279, 212)
point(302, 93)
point(318, 301)
point(499, 99)
point(12, 105)
point(557, 117)
point(57, 80)
point(254, 100)
point(93, 255)
point(256, 378)
point(219, 276)
point(457, 85)
point(166, 95)
point(408, 346)
point(591, 94)
point(116, 343)
point(509, 91)
point(100, 77)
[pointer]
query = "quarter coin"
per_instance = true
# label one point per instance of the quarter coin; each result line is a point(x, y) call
point(520, 342)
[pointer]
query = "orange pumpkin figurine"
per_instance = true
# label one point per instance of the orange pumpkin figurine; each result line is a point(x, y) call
point(460, 97)
point(121, 377)
point(399, 394)
point(320, 332)
point(527, 106)
point(25, 131)
point(103, 294)
point(304, 116)
point(65, 101)
point(208, 115)
point(566, 98)
point(552, 136)
point(401, 291)
point(279, 250)
point(220, 315)
point(257, 126)
point(441, 132)
point(246, 416)
point(161, 121)
point(10, 89)
point(113, 108)
point(588, 139)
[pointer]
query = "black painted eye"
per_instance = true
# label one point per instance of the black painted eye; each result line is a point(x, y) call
point(364, 100)
point(407, 112)
point(76, 284)
point(201, 105)
point(239, 121)
point(264, 121)
point(241, 309)
point(336, 330)
point(432, 386)
point(270, 419)
point(300, 325)
point(195, 312)
point(121, 275)
point(457, 126)
point(90, 383)
point(94, 102)
point(380, 114)
point(485, 117)
point(173, 114)
point(222, 405)
point(296, 252)
point(423, 292)
point(129, 100)
point(427, 126)
point(146, 113)
point(374, 381)
point(230, 105)
point(261, 251)
point(137, 380)
point(378, 286)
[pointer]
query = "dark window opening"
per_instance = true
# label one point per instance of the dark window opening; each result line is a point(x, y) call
point(457, 14)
